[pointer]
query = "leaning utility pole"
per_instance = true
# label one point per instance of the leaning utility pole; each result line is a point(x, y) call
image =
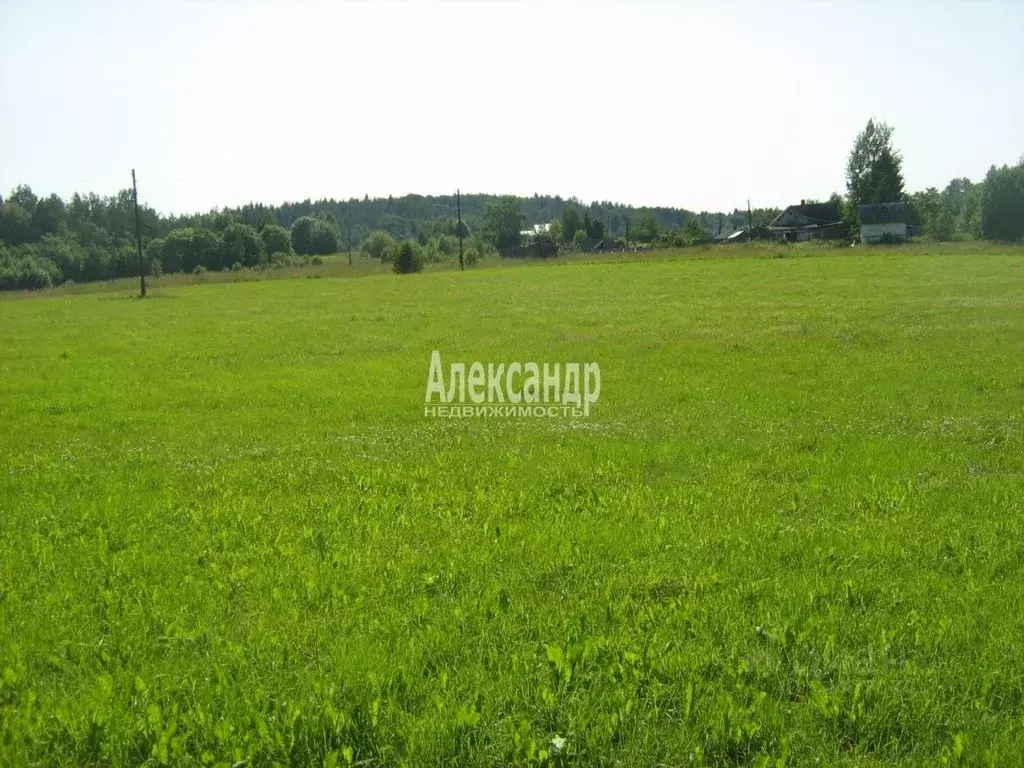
point(138, 235)
point(458, 206)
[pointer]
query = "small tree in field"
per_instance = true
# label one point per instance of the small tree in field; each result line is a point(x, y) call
point(376, 243)
point(408, 258)
point(694, 231)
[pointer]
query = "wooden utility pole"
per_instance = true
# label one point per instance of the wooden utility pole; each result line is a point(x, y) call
point(458, 207)
point(138, 236)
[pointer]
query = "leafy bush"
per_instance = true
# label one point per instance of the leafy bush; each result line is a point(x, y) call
point(447, 245)
point(237, 267)
point(694, 231)
point(375, 244)
point(65, 252)
point(276, 239)
point(555, 230)
point(941, 227)
point(23, 269)
point(316, 260)
point(312, 236)
point(154, 255)
point(477, 248)
point(187, 248)
point(95, 262)
point(123, 261)
point(240, 242)
point(671, 238)
point(280, 260)
point(408, 257)
point(644, 229)
point(431, 254)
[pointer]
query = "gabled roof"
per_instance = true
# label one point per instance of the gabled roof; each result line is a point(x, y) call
point(820, 213)
point(884, 213)
point(806, 215)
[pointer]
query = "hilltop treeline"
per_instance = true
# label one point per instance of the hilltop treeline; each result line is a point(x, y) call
point(46, 241)
point(403, 217)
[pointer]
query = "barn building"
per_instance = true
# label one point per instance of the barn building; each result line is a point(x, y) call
point(808, 221)
point(882, 222)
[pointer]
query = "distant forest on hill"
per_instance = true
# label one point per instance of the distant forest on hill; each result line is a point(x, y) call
point(47, 241)
point(403, 217)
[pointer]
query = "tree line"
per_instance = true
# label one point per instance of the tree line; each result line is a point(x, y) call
point(46, 241)
point(49, 241)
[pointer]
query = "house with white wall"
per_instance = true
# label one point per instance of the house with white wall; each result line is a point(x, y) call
point(881, 222)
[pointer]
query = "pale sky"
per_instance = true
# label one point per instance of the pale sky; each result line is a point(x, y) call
point(699, 105)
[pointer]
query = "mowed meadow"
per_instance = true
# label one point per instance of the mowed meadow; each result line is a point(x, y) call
point(791, 531)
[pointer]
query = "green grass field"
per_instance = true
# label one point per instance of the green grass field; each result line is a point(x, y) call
point(791, 532)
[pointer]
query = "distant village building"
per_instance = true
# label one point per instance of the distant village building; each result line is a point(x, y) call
point(533, 243)
point(539, 231)
point(808, 221)
point(743, 235)
point(735, 236)
point(881, 222)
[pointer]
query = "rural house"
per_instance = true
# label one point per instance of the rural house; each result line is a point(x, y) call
point(808, 221)
point(539, 231)
point(536, 242)
point(743, 235)
point(883, 221)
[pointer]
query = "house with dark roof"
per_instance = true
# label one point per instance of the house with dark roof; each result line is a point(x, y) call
point(881, 222)
point(808, 221)
point(743, 235)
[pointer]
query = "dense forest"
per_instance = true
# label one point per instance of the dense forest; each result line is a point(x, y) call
point(46, 241)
